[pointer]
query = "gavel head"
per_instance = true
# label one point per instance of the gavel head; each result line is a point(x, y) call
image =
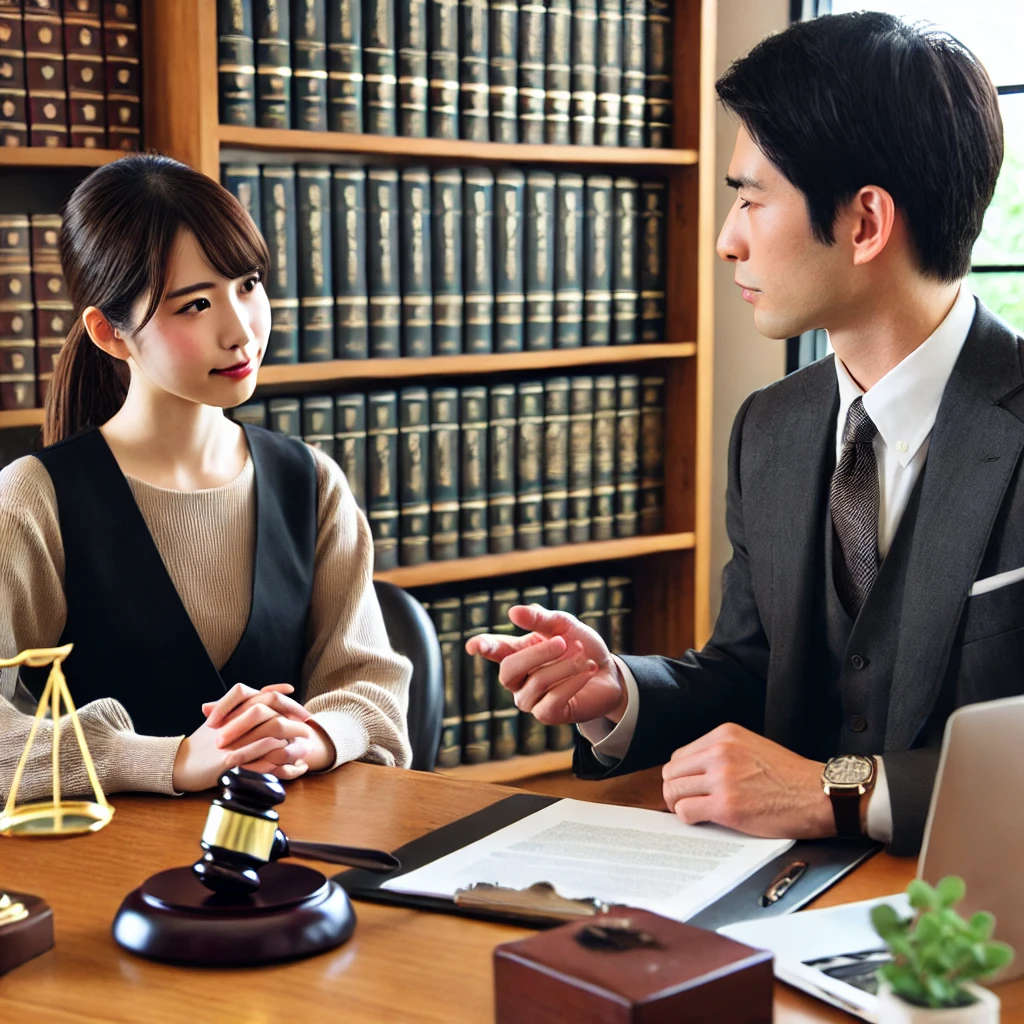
point(241, 832)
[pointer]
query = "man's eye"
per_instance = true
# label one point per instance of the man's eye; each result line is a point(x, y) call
point(198, 305)
point(744, 204)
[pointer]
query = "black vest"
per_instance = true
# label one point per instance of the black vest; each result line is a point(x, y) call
point(134, 640)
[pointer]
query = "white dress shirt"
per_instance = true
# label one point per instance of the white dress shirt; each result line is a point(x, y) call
point(903, 406)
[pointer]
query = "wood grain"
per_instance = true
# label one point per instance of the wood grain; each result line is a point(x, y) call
point(514, 769)
point(21, 418)
point(42, 156)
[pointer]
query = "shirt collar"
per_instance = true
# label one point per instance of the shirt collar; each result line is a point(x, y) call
point(904, 403)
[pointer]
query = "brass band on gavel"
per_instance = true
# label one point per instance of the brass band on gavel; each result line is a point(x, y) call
point(240, 833)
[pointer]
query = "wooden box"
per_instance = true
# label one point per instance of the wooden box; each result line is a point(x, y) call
point(22, 940)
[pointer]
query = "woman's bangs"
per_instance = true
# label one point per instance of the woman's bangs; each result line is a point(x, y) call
point(225, 232)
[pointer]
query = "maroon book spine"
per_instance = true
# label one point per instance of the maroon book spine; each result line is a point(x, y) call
point(83, 52)
point(121, 54)
point(17, 346)
point(52, 303)
point(44, 73)
point(13, 97)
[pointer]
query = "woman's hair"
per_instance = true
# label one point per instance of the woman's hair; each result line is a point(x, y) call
point(116, 242)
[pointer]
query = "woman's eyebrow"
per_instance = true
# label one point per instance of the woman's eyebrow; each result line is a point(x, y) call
point(190, 288)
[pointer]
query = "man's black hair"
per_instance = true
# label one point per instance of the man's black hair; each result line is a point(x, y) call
point(849, 100)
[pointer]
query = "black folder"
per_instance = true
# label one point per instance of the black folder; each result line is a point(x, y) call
point(827, 860)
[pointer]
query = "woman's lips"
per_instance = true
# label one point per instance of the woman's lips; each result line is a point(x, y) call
point(237, 372)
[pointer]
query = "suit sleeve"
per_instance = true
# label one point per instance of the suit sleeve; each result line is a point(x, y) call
point(911, 776)
point(681, 699)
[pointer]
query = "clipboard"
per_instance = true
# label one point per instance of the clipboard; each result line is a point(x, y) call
point(827, 860)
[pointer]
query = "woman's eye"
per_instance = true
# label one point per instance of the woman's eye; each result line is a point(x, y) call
point(197, 305)
point(250, 283)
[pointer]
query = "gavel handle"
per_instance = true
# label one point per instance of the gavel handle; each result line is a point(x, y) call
point(352, 856)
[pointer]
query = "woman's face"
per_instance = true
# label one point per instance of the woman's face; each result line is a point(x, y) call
point(208, 336)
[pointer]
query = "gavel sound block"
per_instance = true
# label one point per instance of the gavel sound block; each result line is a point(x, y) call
point(26, 928)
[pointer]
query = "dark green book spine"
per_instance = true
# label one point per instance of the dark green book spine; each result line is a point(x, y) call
point(316, 275)
point(565, 597)
point(584, 72)
point(446, 233)
point(581, 457)
point(603, 503)
point(444, 461)
point(609, 71)
point(634, 72)
point(474, 71)
point(380, 75)
point(658, 108)
point(652, 454)
point(619, 599)
point(569, 223)
point(309, 64)
point(558, 73)
point(592, 605)
point(556, 461)
point(473, 471)
point(236, 62)
point(504, 713)
point(345, 66)
point(382, 230)
point(503, 32)
point(533, 736)
point(350, 442)
point(253, 413)
point(382, 477)
point(597, 296)
point(348, 206)
point(529, 464)
point(444, 69)
point(284, 416)
point(508, 261)
point(277, 195)
point(272, 30)
point(414, 474)
point(476, 680)
point(501, 478)
point(411, 30)
point(318, 423)
point(417, 279)
point(243, 182)
point(478, 260)
point(446, 613)
point(627, 456)
point(625, 265)
point(652, 261)
point(532, 18)
point(540, 260)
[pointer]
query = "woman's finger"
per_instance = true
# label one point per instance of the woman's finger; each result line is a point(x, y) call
point(238, 694)
point(229, 734)
point(277, 727)
point(253, 751)
point(277, 702)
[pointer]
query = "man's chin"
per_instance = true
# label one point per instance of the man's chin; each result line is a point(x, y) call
point(775, 326)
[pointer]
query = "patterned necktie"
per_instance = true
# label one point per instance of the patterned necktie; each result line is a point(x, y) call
point(854, 499)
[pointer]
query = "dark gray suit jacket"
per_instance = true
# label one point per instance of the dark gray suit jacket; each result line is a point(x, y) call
point(947, 649)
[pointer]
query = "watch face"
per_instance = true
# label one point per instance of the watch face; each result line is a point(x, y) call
point(848, 770)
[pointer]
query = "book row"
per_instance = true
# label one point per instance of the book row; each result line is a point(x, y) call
point(582, 72)
point(481, 721)
point(383, 263)
point(447, 472)
point(69, 74)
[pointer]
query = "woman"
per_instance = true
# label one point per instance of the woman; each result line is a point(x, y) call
point(203, 571)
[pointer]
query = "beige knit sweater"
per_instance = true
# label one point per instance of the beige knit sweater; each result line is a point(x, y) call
point(357, 687)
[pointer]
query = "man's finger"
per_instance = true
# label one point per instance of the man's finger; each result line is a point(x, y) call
point(694, 810)
point(495, 647)
point(552, 675)
point(536, 619)
point(675, 790)
point(555, 707)
point(694, 763)
point(516, 667)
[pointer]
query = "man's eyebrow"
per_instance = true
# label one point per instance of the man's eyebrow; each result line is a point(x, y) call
point(202, 286)
point(744, 181)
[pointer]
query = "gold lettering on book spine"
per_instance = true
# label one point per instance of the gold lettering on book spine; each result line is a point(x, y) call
point(316, 235)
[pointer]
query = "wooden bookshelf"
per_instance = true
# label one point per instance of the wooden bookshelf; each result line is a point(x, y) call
point(21, 418)
point(514, 769)
point(43, 156)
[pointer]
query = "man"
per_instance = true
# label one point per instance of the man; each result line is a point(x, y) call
point(875, 501)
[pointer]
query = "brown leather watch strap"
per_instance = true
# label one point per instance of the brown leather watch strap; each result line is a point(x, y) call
point(846, 808)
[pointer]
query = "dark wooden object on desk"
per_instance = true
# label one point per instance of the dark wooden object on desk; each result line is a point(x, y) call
point(21, 940)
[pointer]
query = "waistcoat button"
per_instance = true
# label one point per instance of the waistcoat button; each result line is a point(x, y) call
point(858, 723)
point(857, 662)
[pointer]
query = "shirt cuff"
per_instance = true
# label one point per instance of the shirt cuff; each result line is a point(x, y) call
point(610, 741)
point(879, 812)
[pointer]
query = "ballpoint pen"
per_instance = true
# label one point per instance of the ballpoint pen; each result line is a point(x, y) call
point(781, 883)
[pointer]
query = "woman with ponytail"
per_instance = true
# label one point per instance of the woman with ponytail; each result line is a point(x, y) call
point(215, 580)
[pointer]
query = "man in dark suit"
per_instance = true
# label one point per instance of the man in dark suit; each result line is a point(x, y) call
point(875, 501)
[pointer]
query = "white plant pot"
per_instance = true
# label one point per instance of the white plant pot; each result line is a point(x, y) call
point(893, 1010)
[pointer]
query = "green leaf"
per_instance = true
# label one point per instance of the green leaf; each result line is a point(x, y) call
point(922, 895)
point(950, 890)
point(997, 955)
point(981, 925)
point(887, 922)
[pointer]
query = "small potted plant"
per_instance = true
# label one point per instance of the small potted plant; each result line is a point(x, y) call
point(937, 957)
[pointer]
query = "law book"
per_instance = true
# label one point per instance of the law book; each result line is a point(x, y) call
point(562, 598)
point(569, 224)
point(539, 255)
point(529, 464)
point(602, 515)
point(474, 71)
point(446, 614)
point(318, 422)
point(345, 66)
point(556, 461)
point(533, 736)
point(236, 62)
point(45, 76)
point(503, 35)
point(619, 615)
point(658, 82)
point(272, 26)
point(627, 455)
point(383, 285)
point(609, 71)
point(277, 198)
point(565, 597)
point(83, 65)
point(476, 679)
point(382, 476)
point(505, 716)
point(473, 471)
point(17, 344)
point(583, 105)
point(592, 604)
point(13, 95)
point(380, 74)
point(444, 481)
point(651, 498)
point(253, 413)
point(478, 259)
point(625, 264)
point(597, 276)
point(532, 69)
point(444, 69)
point(501, 475)
point(416, 272)
point(411, 36)
point(309, 64)
point(316, 274)
point(558, 73)
point(653, 202)
point(348, 208)
point(284, 416)
point(634, 73)
point(446, 260)
point(53, 312)
point(414, 476)
point(581, 457)
point(243, 182)
point(121, 52)
point(350, 442)
point(509, 186)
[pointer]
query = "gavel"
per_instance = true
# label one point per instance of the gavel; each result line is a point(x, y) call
point(242, 834)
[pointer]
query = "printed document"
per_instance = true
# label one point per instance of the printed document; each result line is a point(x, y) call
point(626, 855)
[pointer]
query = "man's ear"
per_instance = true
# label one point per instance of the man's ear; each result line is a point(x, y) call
point(871, 217)
point(103, 334)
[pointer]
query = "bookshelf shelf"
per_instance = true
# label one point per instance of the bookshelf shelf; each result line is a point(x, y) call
point(42, 156)
point(514, 769)
point(21, 418)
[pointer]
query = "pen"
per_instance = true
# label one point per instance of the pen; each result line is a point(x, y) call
point(781, 883)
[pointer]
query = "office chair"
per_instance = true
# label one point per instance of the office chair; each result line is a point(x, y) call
point(412, 633)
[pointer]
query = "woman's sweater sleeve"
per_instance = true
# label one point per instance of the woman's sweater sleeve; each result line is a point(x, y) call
point(33, 612)
point(357, 687)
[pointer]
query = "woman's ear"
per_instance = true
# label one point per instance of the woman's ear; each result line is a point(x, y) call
point(103, 334)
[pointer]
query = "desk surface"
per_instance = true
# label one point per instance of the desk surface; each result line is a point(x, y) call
point(401, 965)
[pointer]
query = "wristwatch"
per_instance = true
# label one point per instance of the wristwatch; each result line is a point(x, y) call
point(845, 780)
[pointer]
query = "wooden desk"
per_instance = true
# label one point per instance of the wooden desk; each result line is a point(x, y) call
point(401, 965)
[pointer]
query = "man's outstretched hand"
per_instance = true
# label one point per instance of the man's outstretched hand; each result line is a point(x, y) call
point(561, 670)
